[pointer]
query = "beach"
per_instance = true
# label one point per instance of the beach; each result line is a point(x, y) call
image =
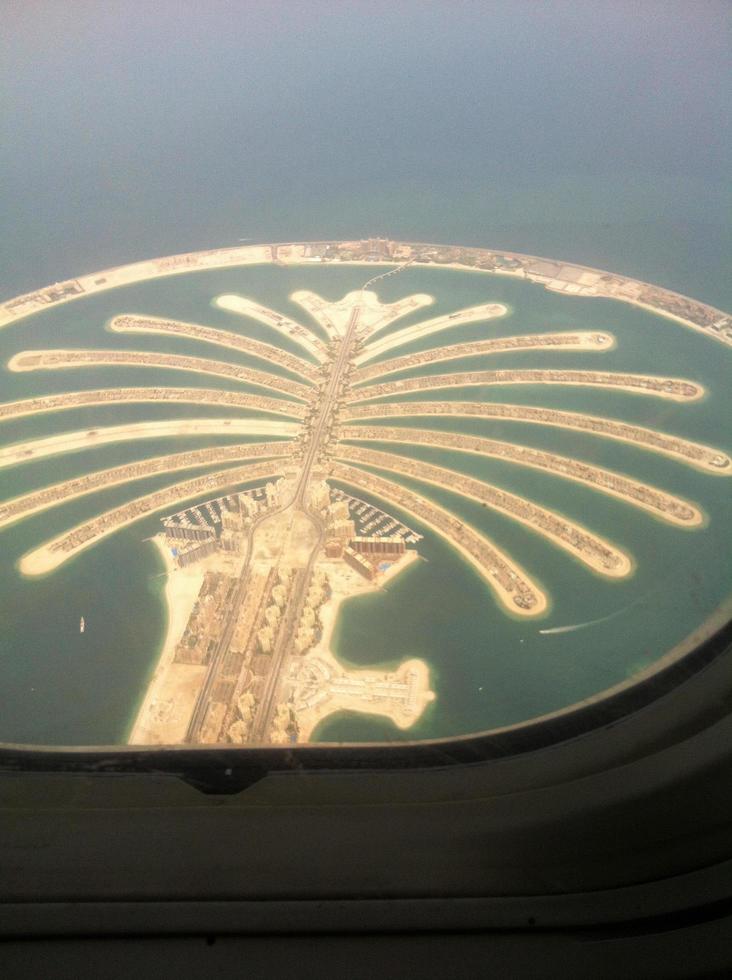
point(171, 693)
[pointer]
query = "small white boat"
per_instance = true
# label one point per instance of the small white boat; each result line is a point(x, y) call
point(82, 625)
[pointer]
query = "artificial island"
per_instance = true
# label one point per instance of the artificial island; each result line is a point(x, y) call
point(277, 533)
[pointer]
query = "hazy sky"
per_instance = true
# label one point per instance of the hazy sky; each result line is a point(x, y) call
point(130, 128)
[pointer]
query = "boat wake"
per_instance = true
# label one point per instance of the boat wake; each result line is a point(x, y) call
point(573, 627)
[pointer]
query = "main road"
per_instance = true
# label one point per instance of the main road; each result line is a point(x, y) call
point(318, 436)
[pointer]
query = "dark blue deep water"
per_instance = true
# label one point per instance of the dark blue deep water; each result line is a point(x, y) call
point(139, 129)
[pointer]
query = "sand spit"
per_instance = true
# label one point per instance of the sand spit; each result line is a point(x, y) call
point(591, 549)
point(517, 592)
point(67, 442)
point(59, 550)
point(473, 314)
point(221, 338)
point(705, 458)
point(662, 505)
point(674, 389)
point(568, 278)
point(52, 360)
point(174, 396)
point(346, 584)
point(294, 331)
point(51, 496)
point(584, 341)
point(373, 316)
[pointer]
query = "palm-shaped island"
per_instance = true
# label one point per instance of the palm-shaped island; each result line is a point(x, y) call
point(249, 658)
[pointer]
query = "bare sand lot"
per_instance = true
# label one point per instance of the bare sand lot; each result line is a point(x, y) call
point(67, 442)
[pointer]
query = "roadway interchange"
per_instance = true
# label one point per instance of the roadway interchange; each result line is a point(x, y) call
point(217, 397)
point(51, 496)
point(580, 341)
point(51, 360)
point(705, 458)
point(589, 548)
point(663, 505)
point(675, 389)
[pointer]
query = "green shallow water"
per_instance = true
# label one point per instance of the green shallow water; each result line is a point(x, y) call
point(488, 669)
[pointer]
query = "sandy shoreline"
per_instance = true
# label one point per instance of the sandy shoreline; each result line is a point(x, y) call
point(672, 389)
point(374, 315)
point(218, 397)
point(584, 341)
point(296, 332)
point(425, 328)
point(133, 324)
point(164, 712)
point(18, 508)
point(171, 694)
point(62, 359)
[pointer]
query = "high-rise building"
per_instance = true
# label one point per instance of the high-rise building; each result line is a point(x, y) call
point(392, 546)
point(333, 548)
point(344, 530)
point(187, 532)
point(361, 564)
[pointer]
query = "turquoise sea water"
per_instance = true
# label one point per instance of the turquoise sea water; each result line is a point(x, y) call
point(488, 669)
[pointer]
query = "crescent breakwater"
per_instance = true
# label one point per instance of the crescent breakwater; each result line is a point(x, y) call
point(570, 279)
point(277, 544)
